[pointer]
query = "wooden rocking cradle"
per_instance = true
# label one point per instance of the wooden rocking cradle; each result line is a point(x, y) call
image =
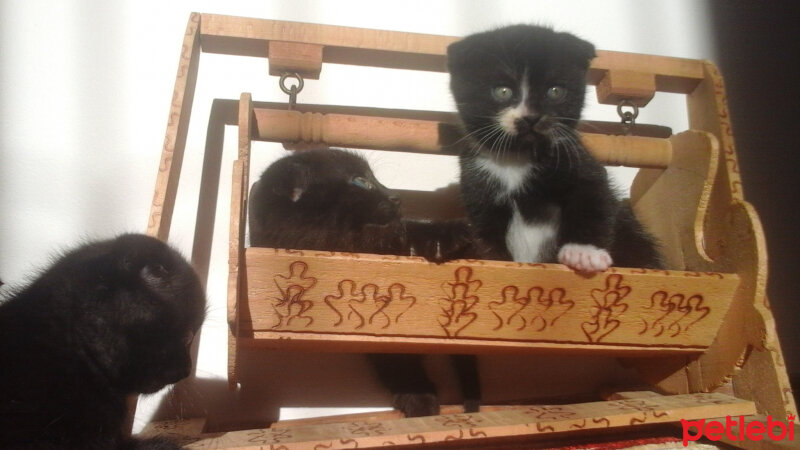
point(703, 335)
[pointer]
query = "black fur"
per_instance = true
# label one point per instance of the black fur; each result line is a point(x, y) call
point(308, 201)
point(107, 320)
point(565, 181)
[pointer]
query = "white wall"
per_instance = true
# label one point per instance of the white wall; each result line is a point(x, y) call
point(85, 87)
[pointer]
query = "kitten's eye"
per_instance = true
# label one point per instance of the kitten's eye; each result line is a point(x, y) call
point(502, 93)
point(362, 182)
point(556, 93)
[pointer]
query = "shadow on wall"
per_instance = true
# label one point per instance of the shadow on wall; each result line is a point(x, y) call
point(757, 48)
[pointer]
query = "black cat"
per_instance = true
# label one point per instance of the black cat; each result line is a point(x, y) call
point(532, 190)
point(331, 200)
point(107, 320)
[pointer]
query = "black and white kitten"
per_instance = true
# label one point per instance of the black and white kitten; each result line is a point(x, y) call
point(107, 320)
point(330, 200)
point(532, 190)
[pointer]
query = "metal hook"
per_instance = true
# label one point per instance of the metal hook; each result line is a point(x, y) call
point(294, 89)
point(628, 117)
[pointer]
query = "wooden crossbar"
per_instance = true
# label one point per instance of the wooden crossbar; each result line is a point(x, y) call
point(430, 136)
point(400, 50)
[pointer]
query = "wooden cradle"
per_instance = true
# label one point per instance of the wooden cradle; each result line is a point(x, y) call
point(704, 334)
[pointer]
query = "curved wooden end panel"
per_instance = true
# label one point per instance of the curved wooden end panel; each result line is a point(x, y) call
point(743, 328)
point(760, 371)
point(673, 203)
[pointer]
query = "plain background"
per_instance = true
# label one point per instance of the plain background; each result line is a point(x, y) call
point(85, 87)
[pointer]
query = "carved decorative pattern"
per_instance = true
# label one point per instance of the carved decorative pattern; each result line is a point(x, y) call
point(416, 437)
point(551, 412)
point(367, 428)
point(607, 310)
point(460, 300)
point(603, 420)
point(459, 420)
point(636, 404)
point(367, 306)
point(292, 305)
point(678, 314)
point(536, 310)
point(578, 426)
point(270, 436)
point(619, 307)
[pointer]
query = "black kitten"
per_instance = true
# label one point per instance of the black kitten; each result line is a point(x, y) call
point(107, 320)
point(324, 200)
point(533, 191)
point(331, 200)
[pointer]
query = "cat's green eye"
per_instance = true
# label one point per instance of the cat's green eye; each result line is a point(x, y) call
point(556, 93)
point(502, 93)
point(362, 182)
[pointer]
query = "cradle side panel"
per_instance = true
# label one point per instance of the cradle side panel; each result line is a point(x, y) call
point(374, 299)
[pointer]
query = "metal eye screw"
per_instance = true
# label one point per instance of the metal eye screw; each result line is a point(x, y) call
point(628, 117)
point(294, 89)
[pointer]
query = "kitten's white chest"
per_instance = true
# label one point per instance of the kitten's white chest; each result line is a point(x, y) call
point(531, 242)
point(510, 177)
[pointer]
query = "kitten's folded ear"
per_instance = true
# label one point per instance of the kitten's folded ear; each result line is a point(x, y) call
point(456, 52)
point(293, 180)
point(583, 49)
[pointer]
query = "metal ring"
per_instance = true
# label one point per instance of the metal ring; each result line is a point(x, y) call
point(294, 89)
point(627, 114)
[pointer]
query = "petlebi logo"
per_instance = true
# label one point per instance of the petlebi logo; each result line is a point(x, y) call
point(738, 430)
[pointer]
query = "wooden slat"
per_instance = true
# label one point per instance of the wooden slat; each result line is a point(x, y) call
point(394, 414)
point(180, 112)
point(428, 136)
point(364, 302)
point(483, 427)
point(236, 271)
point(401, 50)
point(734, 437)
point(452, 119)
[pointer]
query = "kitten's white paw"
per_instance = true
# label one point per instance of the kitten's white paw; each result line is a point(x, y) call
point(584, 257)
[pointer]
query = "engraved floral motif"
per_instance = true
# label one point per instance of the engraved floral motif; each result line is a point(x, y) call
point(367, 306)
point(537, 310)
point(292, 305)
point(607, 309)
point(678, 313)
point(457, 310)
point(459, 420)
point(551, 412)
point(367, 428)
point(269, 436)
